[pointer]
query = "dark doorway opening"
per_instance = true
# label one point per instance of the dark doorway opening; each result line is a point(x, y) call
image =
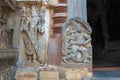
point(104, 18)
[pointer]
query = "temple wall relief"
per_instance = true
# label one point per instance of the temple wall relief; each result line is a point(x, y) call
point(76, 42)
point(34, 34)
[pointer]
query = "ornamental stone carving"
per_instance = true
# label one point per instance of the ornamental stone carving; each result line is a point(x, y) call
point(5, 33)
point(32, 27)
point(76, 42)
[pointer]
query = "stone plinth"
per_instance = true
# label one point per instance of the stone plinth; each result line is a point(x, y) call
point(49, 75)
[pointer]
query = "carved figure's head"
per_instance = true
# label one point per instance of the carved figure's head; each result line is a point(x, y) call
point(41, 12)
point(33, 12)
point(23, 8)
point(23, 11)
point(77, 27)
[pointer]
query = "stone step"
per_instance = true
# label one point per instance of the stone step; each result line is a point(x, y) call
point(106, 75)
point(106, 79)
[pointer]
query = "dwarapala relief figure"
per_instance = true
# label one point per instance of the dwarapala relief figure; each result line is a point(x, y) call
point(76, 47)
point(32, 27)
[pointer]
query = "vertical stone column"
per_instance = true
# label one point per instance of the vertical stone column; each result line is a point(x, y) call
point(77, 8)
point(59, 16)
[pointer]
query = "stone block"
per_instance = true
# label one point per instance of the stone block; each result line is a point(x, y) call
point(73, 75)
point(49, 75)
point(26, 74)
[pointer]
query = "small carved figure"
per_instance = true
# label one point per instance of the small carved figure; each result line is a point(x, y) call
point(33, 26)
point(3, 36)
point(4, 42)
point(24, 21)
point(41, 22)
point(75, 48)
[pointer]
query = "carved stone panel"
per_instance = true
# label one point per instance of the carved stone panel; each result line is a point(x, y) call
point(76, 42)
point(34, 34)
point(6, 33)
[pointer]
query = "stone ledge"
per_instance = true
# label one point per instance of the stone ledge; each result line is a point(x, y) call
point(8, 53)
point(57, 25)
point(61, 5)
point(57, 15)
point(105, 78)
point(82, 65)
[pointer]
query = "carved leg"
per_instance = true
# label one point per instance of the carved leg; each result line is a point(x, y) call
point(34, 58)
point(85, 51)
point(29, 59)
point(67, 57)
point(74, 53)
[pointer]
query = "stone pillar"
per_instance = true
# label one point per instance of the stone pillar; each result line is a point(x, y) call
point(77, 8)
point(59, 16)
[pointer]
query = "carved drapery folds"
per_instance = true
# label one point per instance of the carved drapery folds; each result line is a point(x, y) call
point(76, 42)
point(33, 28)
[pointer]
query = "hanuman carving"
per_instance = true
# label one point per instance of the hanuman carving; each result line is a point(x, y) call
point(76, 44)
point(32, 25)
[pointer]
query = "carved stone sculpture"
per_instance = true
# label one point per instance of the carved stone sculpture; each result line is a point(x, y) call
point(31, 26)
point(4, 36)
point(42, 21)
point(76, 45)
point(3, 41)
